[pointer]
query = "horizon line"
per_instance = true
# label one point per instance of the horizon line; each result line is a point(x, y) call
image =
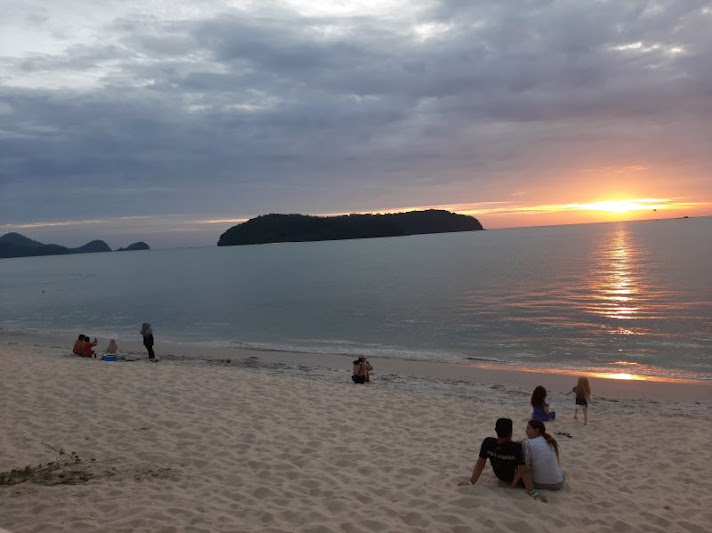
point(327, 216)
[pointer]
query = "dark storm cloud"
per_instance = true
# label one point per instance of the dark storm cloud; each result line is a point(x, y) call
point(249, 112)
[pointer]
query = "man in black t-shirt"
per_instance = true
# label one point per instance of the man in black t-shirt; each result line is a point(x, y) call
point(506, 458)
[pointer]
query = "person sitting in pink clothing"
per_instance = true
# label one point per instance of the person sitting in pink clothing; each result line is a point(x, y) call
point(87, 349)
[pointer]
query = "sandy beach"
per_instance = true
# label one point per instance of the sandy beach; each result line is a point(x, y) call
point(245, 443)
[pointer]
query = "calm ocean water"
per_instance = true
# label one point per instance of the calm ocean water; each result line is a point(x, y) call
point(632, 297)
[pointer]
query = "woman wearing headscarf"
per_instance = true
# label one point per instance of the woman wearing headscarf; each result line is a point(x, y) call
point(147, 333)
point(112, 348)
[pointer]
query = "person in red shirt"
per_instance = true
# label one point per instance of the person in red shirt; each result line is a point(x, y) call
point(77, 349)
point(87, 347)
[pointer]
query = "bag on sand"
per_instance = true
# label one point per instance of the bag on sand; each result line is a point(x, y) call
point(358, 379)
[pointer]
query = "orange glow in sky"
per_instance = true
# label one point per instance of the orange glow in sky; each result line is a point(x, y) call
point(649, 205)
point(492, 215)
point(624, 206)
point(507, 214)
point(605, 194)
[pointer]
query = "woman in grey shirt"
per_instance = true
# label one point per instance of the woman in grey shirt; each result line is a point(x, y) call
point(541, 455)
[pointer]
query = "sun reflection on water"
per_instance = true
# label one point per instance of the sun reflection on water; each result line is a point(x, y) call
point(616, 286)
point(619, 375)
point(599, 372)
point(609, 303)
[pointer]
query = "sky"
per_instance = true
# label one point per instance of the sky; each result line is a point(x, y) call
point(169, 122)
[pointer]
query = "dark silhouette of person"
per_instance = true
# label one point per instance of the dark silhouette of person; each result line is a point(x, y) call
point(147, 332)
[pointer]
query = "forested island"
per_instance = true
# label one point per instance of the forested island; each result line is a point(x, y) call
point(16, 245)
point(274, 228)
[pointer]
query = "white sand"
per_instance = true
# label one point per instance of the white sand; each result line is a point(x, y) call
point(195, 446)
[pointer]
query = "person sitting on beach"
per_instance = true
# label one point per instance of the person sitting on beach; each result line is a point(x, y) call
point(506, 458)
point(540, 409)
point(77, 349)
point(362, 370)
point(88, 347)
point(582, 390)
point(541, 455)
point(112, 348)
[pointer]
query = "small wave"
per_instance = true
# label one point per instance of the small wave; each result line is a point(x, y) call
point(486, 360)
point(349, 348)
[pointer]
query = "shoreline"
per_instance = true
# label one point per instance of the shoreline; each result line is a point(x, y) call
point(331, 366)
point(606, 370)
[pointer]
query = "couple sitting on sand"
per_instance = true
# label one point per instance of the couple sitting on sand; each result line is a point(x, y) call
point(535, 462)
point(84, 346)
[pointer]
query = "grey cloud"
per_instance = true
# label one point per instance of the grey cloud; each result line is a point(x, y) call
point(235, 112)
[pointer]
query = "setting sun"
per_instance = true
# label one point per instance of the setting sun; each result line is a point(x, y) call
point(625, 206)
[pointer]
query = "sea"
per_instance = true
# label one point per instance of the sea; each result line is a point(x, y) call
point(624, 298)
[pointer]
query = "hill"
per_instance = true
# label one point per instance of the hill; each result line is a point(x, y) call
point(15, 239)
point(16, 245)
point(91, 247)
point(135, 246)
point(301, 228)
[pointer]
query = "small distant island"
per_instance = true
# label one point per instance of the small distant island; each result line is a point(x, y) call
point(135, 246)
point(275, 228)
point(16, 245)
